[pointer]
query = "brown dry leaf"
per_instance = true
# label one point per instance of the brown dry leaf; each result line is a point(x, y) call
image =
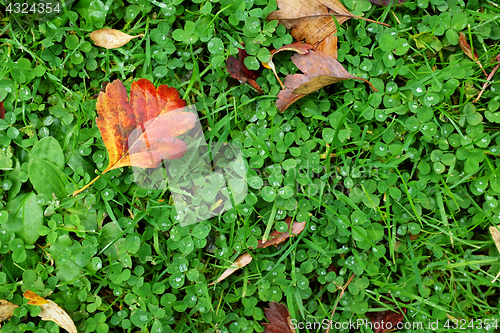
point(277, 237)
point(111, 38)
point(240, 262)
point(51, 311)
point(297, 47)
point(311, 20)
point(319, 70)
point(468, 51)
point(141, 132)
point(279, 319)
point(6, 309)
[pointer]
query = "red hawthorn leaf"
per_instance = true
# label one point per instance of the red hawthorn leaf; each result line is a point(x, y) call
point(382, 318)
point(319, 70)
point(141, 132)
point(385, 3)
point(279, 319)
point(240, 72)
point(2, 111)
point(277, 237)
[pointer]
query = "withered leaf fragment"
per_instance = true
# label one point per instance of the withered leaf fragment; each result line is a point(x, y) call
point(240, 262)
point(238, 70)
point(319, 70)
point(111, 38)
point(141, 132)
point(311, 20)
point(6, 309)
point(277, 237)
point(279, 319)
point(468, 51)
point(51, 311)
point(2, 111)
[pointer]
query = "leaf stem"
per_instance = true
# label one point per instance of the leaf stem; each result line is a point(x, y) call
point(371, 85)
point(85, 187)
point(367, 19)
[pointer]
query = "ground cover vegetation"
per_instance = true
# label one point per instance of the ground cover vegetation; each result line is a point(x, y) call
point(398, 184)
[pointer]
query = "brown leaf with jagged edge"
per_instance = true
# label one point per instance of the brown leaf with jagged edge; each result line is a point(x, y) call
point(279, 319)
point(111, 38)
point(238, 70)
point(6, 309)
point(277, 237)
point(319, 70)
point(51, 311)
point(141, 132)
point(311, 20)
point(240, 262)
point(468, 51)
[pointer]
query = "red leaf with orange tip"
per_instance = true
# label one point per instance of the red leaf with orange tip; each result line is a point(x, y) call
point(2, 111)
point(279, 319)
point(141, 132)
point(238, 70)
point(277, 237)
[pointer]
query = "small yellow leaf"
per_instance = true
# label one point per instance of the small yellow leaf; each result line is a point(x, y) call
point(111, 38)
point(241, 262)
point(6, 309)
point(51, 311)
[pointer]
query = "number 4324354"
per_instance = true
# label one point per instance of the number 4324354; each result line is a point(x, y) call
point(26, 8)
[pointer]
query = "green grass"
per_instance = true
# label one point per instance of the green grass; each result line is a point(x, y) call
point(398, 187)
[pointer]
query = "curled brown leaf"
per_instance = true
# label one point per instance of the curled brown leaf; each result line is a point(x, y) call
point(297, 47)
point(277, 237)
point(111, 38)
point(240, 262)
